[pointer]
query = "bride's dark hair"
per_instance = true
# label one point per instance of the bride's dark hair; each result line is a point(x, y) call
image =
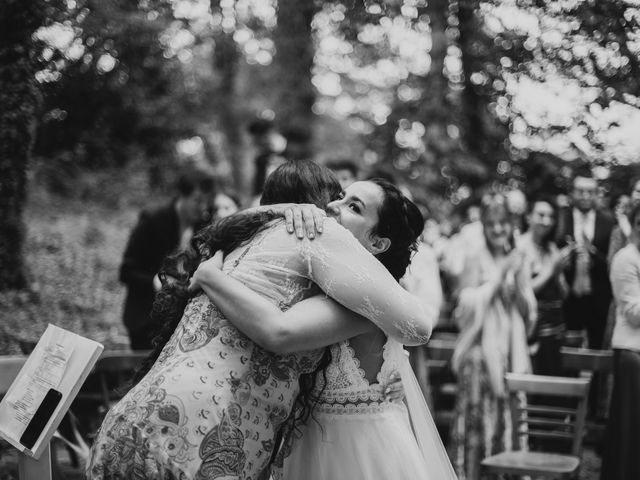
point(399, 220)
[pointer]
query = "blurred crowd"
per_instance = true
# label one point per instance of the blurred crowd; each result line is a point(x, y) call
point(524, 277)
point(515, 278)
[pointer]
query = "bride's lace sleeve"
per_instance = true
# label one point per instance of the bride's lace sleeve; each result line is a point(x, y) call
point(348, 273)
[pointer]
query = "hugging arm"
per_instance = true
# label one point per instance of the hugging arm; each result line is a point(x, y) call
point(301, 218)
point(312, 323)
point(348, 273)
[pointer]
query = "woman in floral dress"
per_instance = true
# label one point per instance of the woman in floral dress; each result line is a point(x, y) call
point(495, 308)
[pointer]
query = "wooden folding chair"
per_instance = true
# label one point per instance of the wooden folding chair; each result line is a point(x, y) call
point(104, 386)
point(439, 352)
point(598, 366)
point(543, 422)
point(10, 366)
point(585, 360)
point(112, 370)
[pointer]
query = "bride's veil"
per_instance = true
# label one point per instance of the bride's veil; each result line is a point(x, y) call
point(424, 427)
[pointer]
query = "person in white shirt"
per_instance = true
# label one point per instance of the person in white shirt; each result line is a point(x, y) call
point(620, 458)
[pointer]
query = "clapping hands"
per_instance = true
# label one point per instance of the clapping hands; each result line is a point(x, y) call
point(563, 257)
point(510, 272)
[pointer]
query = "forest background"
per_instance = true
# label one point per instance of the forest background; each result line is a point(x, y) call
point(102, 100)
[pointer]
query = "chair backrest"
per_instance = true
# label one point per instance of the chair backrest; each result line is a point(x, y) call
point(581, 359)
point(10, 366)
point(548, 421)
point(441, 349)
point(120, 361)
point(113, 369)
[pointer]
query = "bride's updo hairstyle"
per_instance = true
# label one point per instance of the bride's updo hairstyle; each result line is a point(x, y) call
point(399, 220)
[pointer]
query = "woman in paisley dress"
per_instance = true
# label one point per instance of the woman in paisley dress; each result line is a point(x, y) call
point(212, 402)
point(354, 431)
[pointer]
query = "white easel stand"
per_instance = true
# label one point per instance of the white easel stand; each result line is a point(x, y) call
point(31, 469)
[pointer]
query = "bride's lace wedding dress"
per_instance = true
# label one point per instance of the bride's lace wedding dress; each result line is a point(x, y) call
point(354, 433)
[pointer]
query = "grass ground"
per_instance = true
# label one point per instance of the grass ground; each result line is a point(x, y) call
point(73, 251)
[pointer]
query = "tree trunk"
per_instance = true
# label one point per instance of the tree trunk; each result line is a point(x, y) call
point(226, 57)
point(293, 62)
point(473, 129)
point(435, 110)
point(484, 135)
point(19, 100)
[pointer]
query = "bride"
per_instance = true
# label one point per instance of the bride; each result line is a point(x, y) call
point(211, 402)
point(354, 432)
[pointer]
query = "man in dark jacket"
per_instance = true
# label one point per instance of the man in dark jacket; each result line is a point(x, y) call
point(159, 232)
point(587, 304)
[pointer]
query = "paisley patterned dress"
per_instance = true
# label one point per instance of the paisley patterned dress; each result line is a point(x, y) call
point(211, 405)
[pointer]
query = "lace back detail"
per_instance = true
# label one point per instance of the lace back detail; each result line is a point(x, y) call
point(344, 371)
point(389, 360)
point(348, 391)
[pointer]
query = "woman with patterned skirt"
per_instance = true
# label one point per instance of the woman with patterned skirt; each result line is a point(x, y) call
point(495, 308)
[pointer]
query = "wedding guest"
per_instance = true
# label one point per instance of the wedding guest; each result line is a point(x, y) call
point(620, 237)
point(268, 145)
point(225, 203)
point(620, 459)
point(422, 279)
point(547, 264)
point(160, 231)
point(346, 170)
point(622, 230)
point(587, 303)
point(468, 237)
point(299, 143)
point(495, 307)
point(517, 205)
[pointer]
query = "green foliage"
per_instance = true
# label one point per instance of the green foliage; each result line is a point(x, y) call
point(115, 92)
point(19, 100)
point(586, 46)
point(73, 251)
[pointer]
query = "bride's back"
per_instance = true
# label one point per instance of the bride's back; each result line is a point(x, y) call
point(368, 349)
